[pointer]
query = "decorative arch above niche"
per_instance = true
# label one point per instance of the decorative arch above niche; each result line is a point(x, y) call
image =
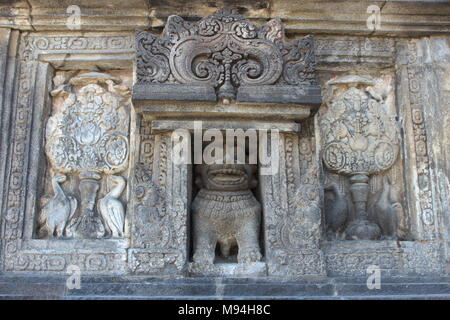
point(195, 69)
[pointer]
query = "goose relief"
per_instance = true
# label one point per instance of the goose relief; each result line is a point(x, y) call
point(57, 212)
point(386, 212)
point(336, 211)
point(112, 210)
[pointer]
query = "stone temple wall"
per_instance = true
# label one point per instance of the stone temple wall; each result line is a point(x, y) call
point(87, 139)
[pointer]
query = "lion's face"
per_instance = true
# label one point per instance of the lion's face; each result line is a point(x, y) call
point(226, 177)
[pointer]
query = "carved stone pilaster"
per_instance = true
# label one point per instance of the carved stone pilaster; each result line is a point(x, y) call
point(417, 80)
point(9, 40)
point(291, 206)
point(423, 68)
point(160, 208)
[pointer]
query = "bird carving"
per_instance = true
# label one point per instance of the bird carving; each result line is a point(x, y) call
point(377, 96)
point(336, 210)
point(386, 212)
point(120, 90)
point(111, 209)
point(57, 212)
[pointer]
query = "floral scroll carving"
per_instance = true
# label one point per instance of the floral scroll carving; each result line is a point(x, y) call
point(359, 139)
point(87, 138)
point(87, 135)
point(225, 51)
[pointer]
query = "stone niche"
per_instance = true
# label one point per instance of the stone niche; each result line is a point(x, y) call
point(225, 73)
point(98, 119)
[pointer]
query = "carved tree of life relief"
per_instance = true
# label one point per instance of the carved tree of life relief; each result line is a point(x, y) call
point(87, 139)
point(358, 139)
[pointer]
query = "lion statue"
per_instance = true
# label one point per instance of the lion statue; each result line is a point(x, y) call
point(226, 212)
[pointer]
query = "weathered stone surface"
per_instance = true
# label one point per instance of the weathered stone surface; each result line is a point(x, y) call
point(224, 58)
point(145, 287)
point(9, 41)
point(300, 17)
point(91, 171)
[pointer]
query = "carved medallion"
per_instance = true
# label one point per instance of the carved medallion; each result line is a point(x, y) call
point(357, 132)
point(88, 133)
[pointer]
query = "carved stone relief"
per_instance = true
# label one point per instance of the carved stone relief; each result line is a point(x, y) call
point(359, 139)
point(291, 206)
point(87, 138)
point(226, 212)
point(224, 51)
point(58, 211)
point(417, 96)
point(88, 148)
point(159, 207)
point(150, 226)
point(26, 175)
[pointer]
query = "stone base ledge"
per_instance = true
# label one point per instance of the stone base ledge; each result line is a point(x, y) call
point(145, 287)
point(347, 258)
point(254, 269)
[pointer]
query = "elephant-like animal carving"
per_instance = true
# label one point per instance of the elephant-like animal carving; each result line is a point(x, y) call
point(57, 212)
point(226, 212)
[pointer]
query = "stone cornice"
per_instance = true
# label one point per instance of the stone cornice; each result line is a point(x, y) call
point(398, 17)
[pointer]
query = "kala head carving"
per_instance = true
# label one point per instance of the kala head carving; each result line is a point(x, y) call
point(224, 51)
point(359, 139)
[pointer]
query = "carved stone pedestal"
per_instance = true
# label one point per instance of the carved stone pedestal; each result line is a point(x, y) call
point(246, 270)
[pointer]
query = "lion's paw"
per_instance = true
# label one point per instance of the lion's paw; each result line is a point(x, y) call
point(203, 257)
point(249, 255)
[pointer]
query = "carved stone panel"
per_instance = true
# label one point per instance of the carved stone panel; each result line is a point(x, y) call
point(86, 138)
point(359, 139)
point(159, 207)
point(291, 206)
point(28, 177)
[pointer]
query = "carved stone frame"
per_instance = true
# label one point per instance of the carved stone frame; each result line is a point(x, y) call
point(39, 54)
point(425, 255)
